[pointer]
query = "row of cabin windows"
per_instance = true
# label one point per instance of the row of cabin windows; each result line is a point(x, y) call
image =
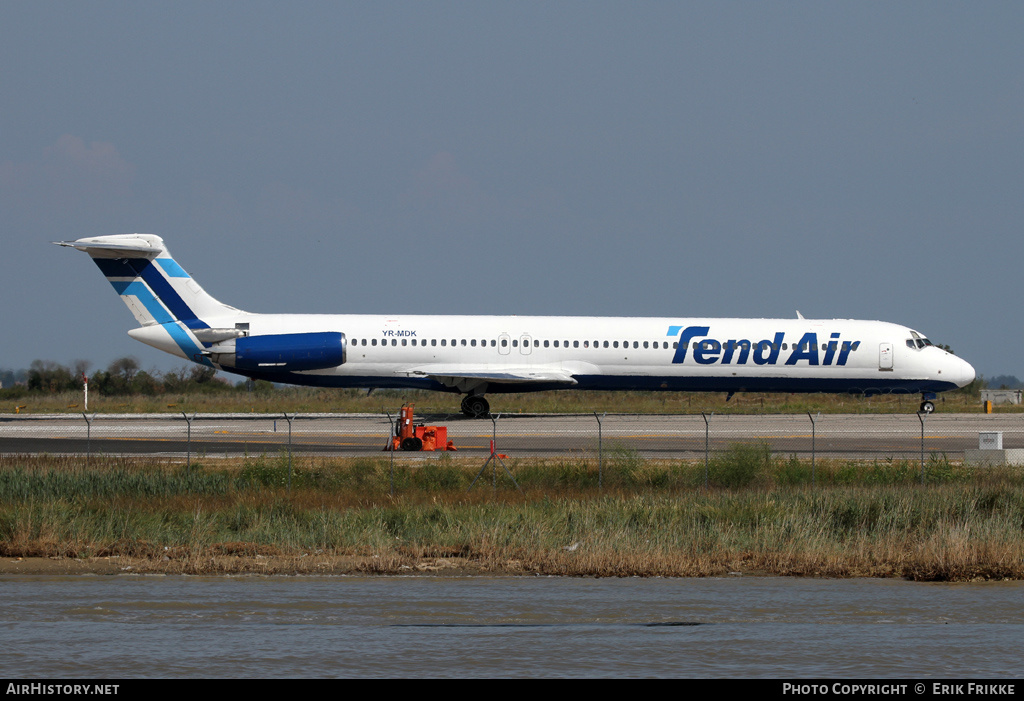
point(472, 342)
point(705, 345)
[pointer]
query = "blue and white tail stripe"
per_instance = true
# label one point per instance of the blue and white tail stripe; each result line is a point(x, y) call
point(164, 303)
point(158, 291)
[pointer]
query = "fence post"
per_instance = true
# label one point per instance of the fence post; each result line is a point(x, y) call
point(391, 450)
point(600, 451)
point(289, 420)
point(88, 436)
point(188, 441)
point(707, 429)
point(920, 417)
point(494, 457)
point(813, 439)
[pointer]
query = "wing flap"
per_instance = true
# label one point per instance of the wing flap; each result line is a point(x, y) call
point(462, 376)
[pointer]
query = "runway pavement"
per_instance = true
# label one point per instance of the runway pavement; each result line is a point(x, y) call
point(655, 436)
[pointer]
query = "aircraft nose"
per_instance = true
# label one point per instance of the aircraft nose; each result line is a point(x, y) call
point(967, 374)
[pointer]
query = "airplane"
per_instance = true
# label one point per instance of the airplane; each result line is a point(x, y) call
point(477, 355)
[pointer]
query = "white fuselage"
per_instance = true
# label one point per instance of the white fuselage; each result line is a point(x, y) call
point(477, 354)
point(613, 353)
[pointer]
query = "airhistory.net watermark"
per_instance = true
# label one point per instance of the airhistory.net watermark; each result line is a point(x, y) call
point(30, 689)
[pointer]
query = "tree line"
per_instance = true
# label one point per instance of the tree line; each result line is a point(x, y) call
point(123, 376)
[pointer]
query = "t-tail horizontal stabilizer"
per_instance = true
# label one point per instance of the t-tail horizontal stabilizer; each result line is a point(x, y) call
point(172, 309)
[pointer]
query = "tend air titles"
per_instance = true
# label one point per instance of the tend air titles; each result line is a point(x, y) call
point(704, 350)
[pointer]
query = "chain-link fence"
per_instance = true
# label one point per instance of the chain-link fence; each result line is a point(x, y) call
point(691, 437)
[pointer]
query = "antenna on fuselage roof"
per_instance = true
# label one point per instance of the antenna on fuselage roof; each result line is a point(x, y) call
point(799, 315)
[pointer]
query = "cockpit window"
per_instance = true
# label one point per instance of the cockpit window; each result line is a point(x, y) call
point(918, 341)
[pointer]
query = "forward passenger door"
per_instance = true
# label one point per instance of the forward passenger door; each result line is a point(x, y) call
point(885, 356)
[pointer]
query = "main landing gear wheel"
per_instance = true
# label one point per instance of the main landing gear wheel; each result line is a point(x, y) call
point(927, 407)
point(475, 406)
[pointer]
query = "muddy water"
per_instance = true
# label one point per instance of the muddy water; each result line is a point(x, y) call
point(148, 626)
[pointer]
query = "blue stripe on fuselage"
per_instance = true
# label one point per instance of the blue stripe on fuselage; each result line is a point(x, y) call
point(864, 385)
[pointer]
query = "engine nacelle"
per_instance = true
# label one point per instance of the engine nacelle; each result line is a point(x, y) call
point(291, 352)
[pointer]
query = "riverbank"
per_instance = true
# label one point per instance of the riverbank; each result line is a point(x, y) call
point(240, 565)
point(904, 566)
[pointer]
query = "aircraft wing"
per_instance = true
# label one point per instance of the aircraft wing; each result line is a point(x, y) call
point(466, 377)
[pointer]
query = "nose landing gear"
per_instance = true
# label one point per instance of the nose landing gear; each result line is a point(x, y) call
point(927, 405)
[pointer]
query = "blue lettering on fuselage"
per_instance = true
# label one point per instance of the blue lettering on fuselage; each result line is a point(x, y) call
point(391, 333)
point(708, 350)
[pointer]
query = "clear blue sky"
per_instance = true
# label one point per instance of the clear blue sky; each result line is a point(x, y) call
point(856, 160)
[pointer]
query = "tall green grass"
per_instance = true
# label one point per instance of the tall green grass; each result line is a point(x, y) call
point(650, 518)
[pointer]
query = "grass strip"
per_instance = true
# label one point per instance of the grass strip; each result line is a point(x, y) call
point(652, 518)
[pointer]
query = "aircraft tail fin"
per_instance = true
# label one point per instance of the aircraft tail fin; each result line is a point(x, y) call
point(154, 287)
point(174, 313)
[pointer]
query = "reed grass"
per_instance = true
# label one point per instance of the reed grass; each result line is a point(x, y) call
point(760, 514)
